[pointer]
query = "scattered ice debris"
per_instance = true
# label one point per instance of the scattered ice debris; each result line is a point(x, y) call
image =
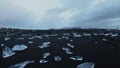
point(22, 64)
point(72, 46)
point(86, 34)
point(66, 34)
point(30, 42)
point(43, 61)
point(57, 58)
point(2, 45)
point(6, 39)
point(63, 37)
point(39, 37)
point(45, 45)
point(7, 52)
point(52, 35)
point(76, 58)
point(45, 55)
point(76, 35)
point(67, 50)
point(19, 47)
point(86, 65)
point(105, 40)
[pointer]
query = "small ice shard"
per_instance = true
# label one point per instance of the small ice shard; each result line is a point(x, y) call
point(30, 42)
point(107, 34)
point(63, 37)
point(7, 52)
point(57, 58)
point(86, 34)
point(71, 40)
point(105, 40)
point(86, 65)
point(43, 61)
point(6, 39)
point(45, 55)
point(76, 35)
point(76, 58)
point(22, 64)
point(72, 46)
point(114, 35)
point(2, 45)
point(95, 34)
point(19, 47)
point(67, 50)
point(44, 45)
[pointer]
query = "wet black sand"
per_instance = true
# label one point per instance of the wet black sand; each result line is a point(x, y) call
point(105, 54)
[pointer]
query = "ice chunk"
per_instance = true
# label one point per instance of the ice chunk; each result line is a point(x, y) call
point(57, 58)
point(105, 40)
point(63, 37)
point(39, 37)
point(71, 40)
point(30, 42)
point(43, 61)
point(19, 47)
point(45, 55)
point(86, 34)
point(22, 64)
point(95, 34)
point(76, 35)
point(44, 45)
point(67, 50)
point(72, 46)
point(6, 39)
point(76, 58)
point(7, 52)
point(86, 65)
point(114, 35)
point(2, 45)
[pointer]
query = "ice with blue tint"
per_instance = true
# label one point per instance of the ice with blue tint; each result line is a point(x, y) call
point(22, 64)
point(76, 35)
point(6, 39)
point(44, 45)
point(57, 58)
point(67, 50)
point(45, 55)
point(42, 61)
point(70, 45)
point(19, 47)
point(7, 52)
point(86, 65)
point(76, 58)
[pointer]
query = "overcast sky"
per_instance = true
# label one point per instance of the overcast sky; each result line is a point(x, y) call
point(46, 14)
